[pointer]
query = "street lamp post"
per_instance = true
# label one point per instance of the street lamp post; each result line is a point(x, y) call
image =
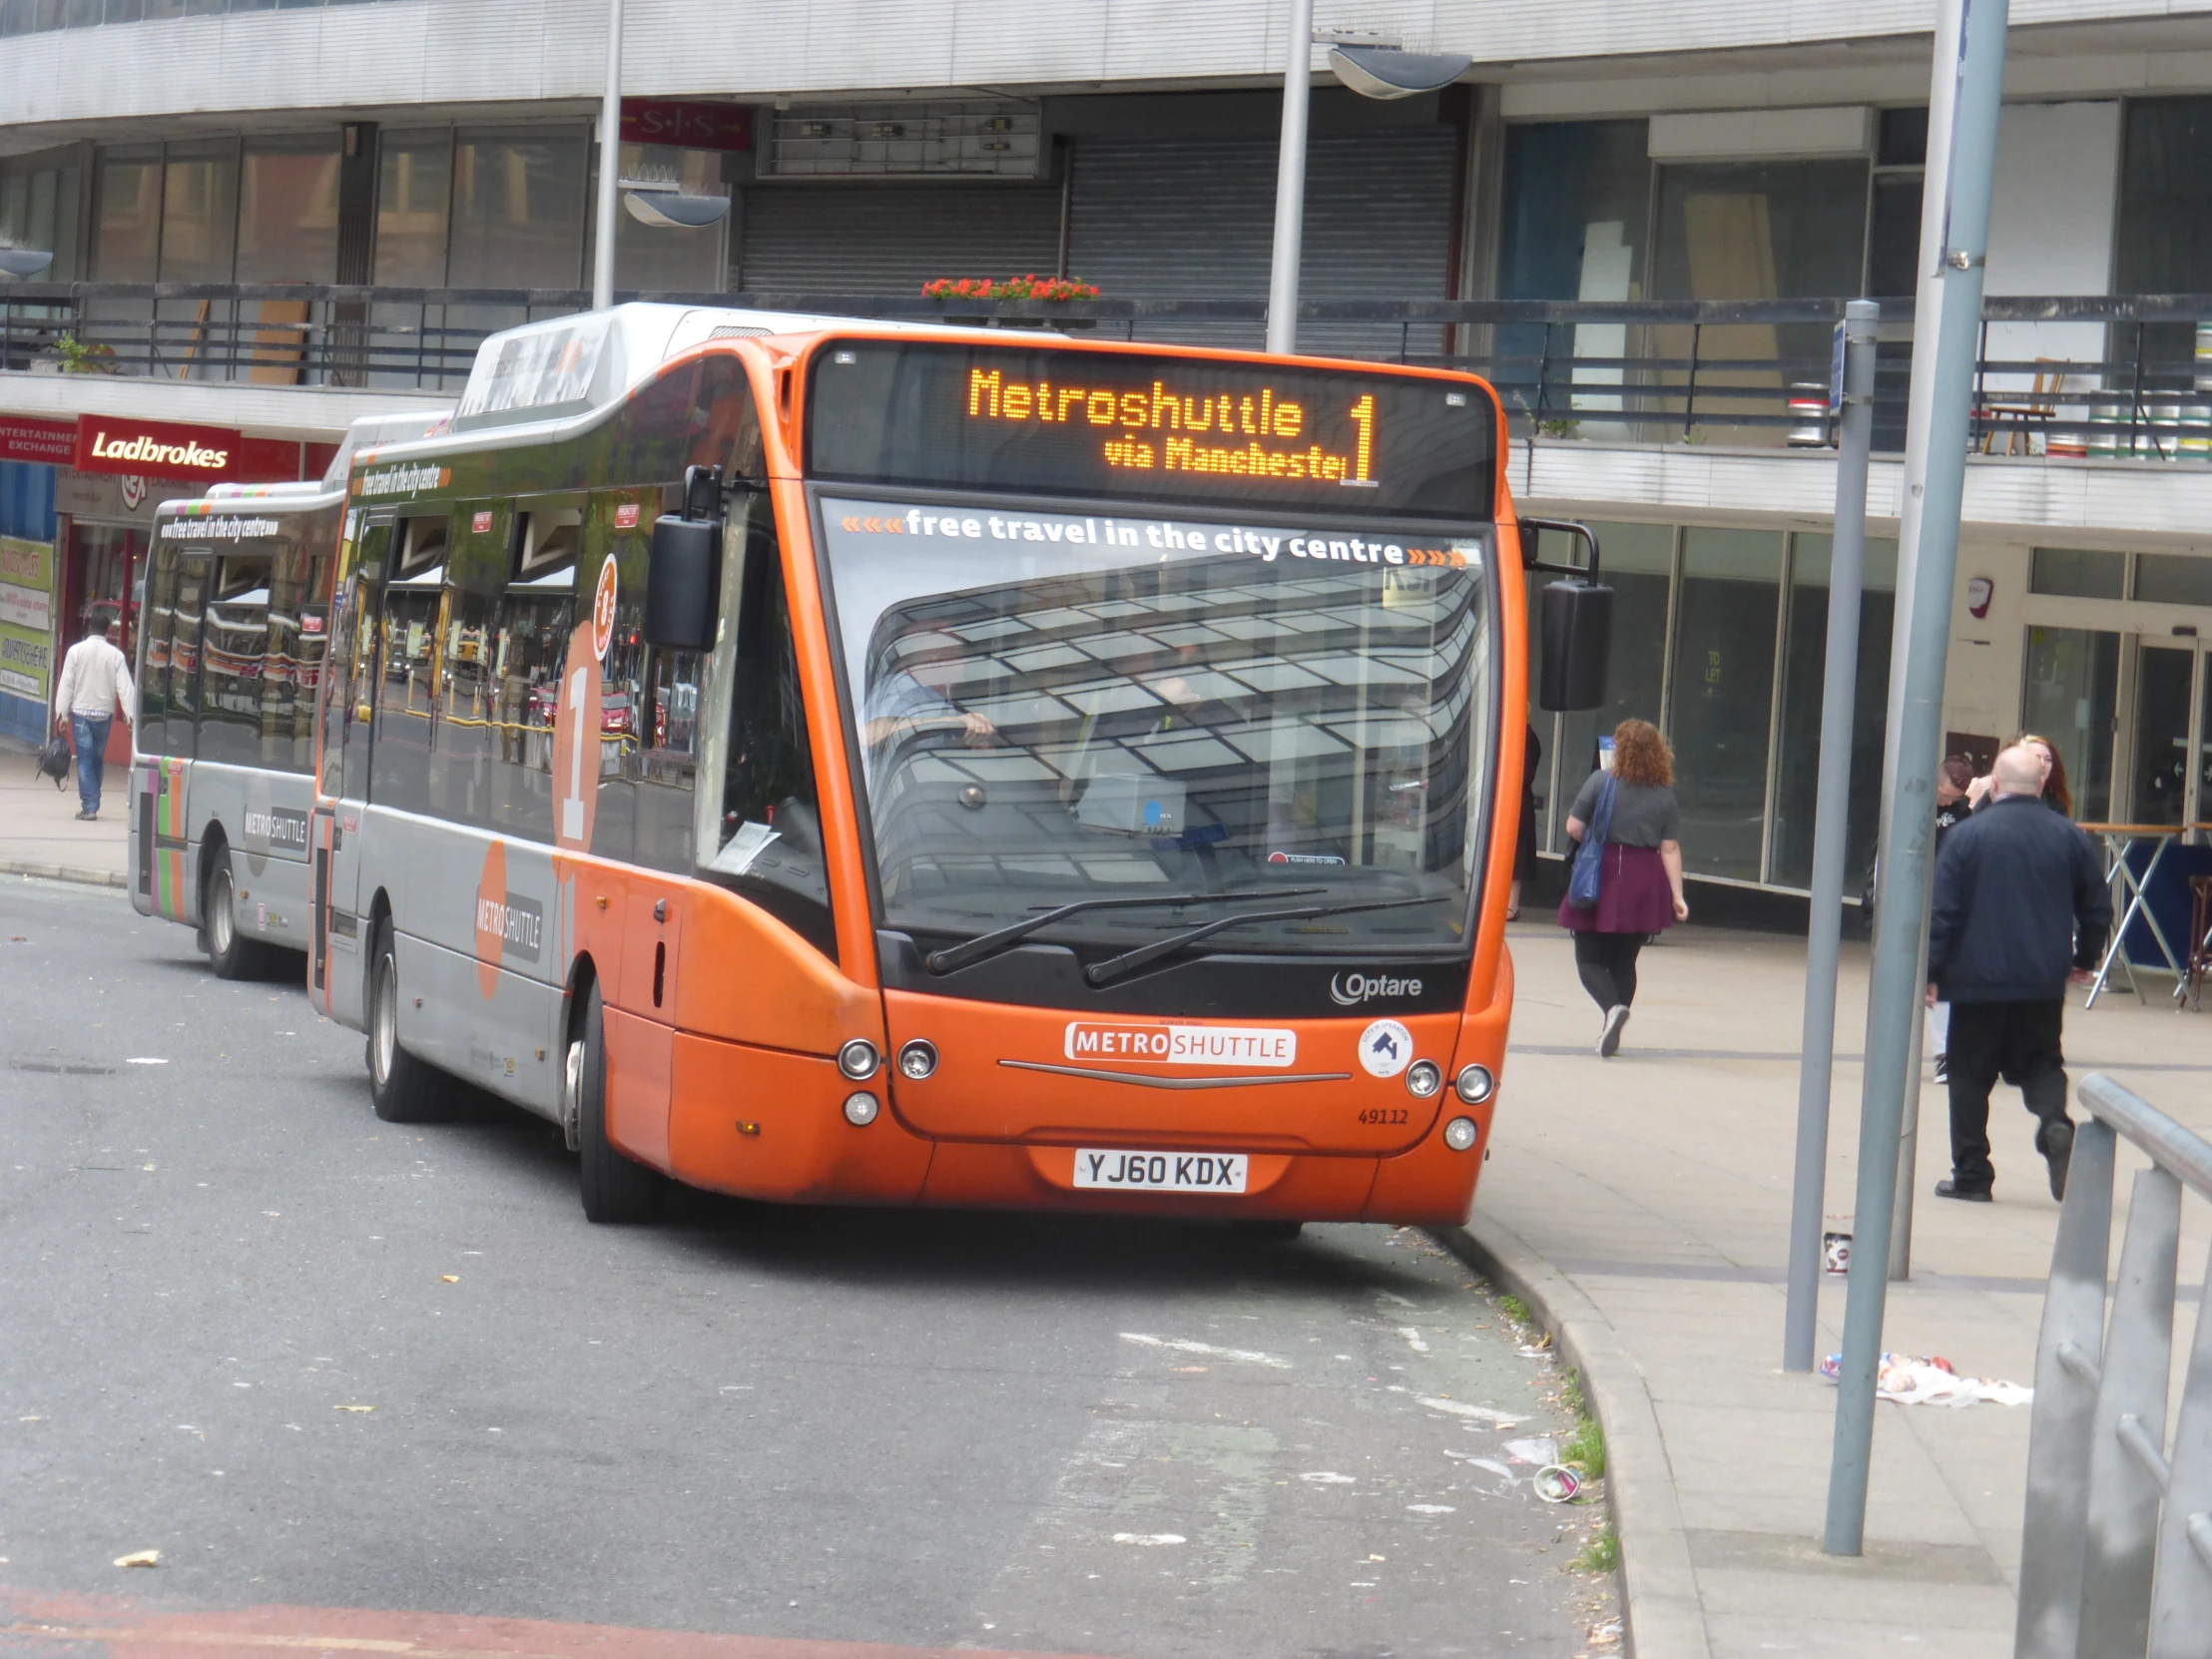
point(610, 166)
point(1289, 182)
point(1373, 69)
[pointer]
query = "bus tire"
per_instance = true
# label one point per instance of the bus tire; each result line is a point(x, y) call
point(402, 1088)
point(229, 952)
point(617, 1189)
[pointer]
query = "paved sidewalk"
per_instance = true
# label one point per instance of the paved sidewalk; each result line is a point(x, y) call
point(39, 832)
point(1644, 1203)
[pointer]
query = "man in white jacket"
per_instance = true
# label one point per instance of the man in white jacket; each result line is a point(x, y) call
point(95, 682)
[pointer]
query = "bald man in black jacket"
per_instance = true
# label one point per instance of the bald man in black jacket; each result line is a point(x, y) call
point(2021, 900)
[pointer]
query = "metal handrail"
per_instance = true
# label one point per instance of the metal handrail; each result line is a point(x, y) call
point(2116, 1544)
point(2133, 392)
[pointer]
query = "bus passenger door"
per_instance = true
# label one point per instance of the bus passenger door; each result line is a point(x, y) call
point(339, 963)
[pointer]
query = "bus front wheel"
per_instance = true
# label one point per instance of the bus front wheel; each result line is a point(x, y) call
point(404, 1088)
point(616, 1188)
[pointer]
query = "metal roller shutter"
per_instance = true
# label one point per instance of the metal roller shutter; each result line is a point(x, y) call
point(891, 239)
point(1195, 219)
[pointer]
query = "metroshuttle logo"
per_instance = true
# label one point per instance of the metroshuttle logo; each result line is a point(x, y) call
point(1181, 1045)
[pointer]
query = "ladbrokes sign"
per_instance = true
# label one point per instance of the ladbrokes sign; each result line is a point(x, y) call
point(159, 448)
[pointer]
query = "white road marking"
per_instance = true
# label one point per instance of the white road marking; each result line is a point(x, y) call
point(1149, 1538)
point(1413, 1338)
point(1461, 1408)
point(1248, 1355)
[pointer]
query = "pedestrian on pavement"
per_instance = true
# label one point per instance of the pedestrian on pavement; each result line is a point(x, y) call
point(1525, 846)
point(1640, 885)
point(1952, 778)
point(2057, 794)
point(2019, 900)
point(95, 682)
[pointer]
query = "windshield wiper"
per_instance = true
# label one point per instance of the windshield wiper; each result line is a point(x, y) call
point(1115, 967)
point(1004, 938)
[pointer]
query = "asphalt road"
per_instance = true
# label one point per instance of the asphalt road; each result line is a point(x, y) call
point(319, 1360)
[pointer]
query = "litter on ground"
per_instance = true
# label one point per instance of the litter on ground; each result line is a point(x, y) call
point(1929, 1380)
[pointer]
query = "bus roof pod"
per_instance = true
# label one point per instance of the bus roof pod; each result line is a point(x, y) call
point(568, 365)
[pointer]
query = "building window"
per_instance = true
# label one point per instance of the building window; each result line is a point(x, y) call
point(1755, 231)
point(38, 210)
point(415, 191)
point(1804, 675)
point(1720, 704)
point(1578, 196)
point(289, 209)
point(518, 210)
point(199, 202)
point(127, 226)
point(2067, 573)
point(2171, 578)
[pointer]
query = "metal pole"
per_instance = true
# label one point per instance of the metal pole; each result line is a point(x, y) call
point(1967, 83)
point(610, 166)
point(1289, 181)
point(1909, 1142)
point(1831, 830)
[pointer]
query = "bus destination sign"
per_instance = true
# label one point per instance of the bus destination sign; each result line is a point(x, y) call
point(1060, 422)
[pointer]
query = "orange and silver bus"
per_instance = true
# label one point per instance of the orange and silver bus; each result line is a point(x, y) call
point(826, 762)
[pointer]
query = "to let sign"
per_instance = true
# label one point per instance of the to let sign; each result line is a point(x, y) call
point(690, 125)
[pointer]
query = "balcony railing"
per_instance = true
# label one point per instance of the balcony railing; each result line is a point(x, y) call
point(2097, 377)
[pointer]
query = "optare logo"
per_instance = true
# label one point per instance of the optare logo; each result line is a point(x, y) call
point(1349, 991)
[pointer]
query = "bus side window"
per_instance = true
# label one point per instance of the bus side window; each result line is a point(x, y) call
point(183, 651)
point(464, 736)
point(234, 646)
point(770, 830)
point(157, 624)
point(526, 653)
point(352, 670)
point(309, 641)
point(406, 691)
point(623, 671)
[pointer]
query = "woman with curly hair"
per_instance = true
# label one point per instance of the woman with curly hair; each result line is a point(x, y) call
point(1640, 890)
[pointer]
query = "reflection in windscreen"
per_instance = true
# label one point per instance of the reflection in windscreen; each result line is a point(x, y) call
point(1099, 721)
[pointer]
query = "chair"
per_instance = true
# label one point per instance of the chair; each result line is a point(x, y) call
point(2039, 407)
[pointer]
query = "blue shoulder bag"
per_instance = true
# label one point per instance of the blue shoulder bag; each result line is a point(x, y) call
point(1589, 857)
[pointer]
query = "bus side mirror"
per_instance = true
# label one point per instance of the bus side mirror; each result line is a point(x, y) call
point(1577, 626)
point(683, 583)
point(1576, 621)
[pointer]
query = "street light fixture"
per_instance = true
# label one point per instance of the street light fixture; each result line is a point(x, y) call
point(1371, 67)
point(664, 206)
point(23, 261)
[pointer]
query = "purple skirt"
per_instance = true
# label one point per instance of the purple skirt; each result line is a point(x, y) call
point(1633, 897)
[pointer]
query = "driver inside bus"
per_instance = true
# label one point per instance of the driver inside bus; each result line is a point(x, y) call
point(901, 713)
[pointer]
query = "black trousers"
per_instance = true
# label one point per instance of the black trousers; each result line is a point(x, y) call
point(1607, 963)
point(2018, 1041)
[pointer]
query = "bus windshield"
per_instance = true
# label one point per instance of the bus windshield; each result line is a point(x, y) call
point(1063, 705)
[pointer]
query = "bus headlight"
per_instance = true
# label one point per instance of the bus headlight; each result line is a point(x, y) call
point(1460, 1134)
point(1474, 1084)
point(1423, 1078)
point(860, 1109)
point(858, 1059)
point(918, 1060)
